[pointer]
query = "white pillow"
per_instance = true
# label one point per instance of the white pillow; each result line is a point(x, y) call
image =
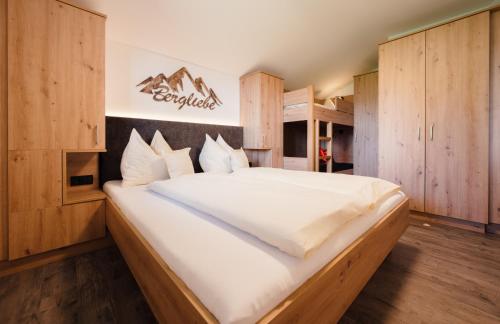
point(159, 145)
point(213, 158)
point(178, 162)
point(140, 164)
point(238, 157)
point(239, 160)
point(223, 144)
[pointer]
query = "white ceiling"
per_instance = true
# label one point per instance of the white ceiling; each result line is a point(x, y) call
point(320, 42)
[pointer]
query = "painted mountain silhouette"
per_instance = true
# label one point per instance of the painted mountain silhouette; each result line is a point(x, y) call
point(176, 82)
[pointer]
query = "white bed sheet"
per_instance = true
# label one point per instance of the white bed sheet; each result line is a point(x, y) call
point(235, 275)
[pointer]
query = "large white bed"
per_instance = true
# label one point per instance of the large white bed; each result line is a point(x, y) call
point(238, 277)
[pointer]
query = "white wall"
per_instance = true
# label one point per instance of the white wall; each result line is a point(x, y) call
point(127, 66)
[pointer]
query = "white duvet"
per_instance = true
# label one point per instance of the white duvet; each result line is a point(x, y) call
point(292, 210)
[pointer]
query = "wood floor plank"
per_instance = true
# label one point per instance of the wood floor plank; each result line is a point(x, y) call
point(434, 274)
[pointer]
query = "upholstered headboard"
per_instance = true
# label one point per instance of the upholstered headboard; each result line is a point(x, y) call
point(179, 135)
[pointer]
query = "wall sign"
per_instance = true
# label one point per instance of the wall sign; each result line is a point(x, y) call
point(145, 84)
point(171, 89)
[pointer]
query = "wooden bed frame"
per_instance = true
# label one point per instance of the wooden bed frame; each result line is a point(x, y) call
point(322, 298)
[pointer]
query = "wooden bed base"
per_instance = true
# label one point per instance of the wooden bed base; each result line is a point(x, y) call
point(322, 298)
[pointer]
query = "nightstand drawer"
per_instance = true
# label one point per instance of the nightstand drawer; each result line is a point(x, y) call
point(46, 229)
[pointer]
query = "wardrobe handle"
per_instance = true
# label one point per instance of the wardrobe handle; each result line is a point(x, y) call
point(355, 137)
point(432, 132)
point(418, 136)
point(96, 134)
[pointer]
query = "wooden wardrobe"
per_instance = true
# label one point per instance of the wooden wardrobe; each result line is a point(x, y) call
point(495, 119)
point(365, 151)
point(434, 117)
point(261, 115)
point(52, 74)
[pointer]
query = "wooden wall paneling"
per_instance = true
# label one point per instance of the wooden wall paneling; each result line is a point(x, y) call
point(32, 112)
point(34, 180)
point(402, 116)
point(79, 73)
point(457, 118)
point(41, 230)
point(3, 130)
point(365, 150)
point(495, 119)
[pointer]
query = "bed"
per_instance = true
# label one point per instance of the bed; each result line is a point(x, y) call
point(193, 267)
point(310, 126)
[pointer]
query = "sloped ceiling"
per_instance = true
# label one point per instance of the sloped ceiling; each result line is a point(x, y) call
point(320, 42)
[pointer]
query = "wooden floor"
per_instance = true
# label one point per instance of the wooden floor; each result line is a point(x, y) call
point(434, 275)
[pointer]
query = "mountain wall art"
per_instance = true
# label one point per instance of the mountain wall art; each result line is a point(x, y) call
point(171, 89)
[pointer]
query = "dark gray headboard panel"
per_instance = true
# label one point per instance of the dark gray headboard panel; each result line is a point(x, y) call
point(179, 135)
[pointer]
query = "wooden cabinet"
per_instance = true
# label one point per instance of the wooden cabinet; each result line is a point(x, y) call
point(402, 116)
point(434, 117)
point(41, 230)
point(32, 100)
point(261, 115)
point(457, 114)
point(365, 146)
point(495, 120)
point(52, 68)
point(34, 180)
point(80, 77)
point(55, 76)
point(3, 132)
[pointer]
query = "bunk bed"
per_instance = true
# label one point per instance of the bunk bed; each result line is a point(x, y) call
point(312, 129)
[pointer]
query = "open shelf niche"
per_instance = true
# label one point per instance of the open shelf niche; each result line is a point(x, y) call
point(83, 164)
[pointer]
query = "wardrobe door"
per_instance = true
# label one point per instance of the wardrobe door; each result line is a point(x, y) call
point(79, 76)
point(40, 230)
point(32, 101)
point(35, 180)
point(272, 109)
point(401, 115)
point(365, 152)
point(3, 131)
point(495, 120)
point(457, 113)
